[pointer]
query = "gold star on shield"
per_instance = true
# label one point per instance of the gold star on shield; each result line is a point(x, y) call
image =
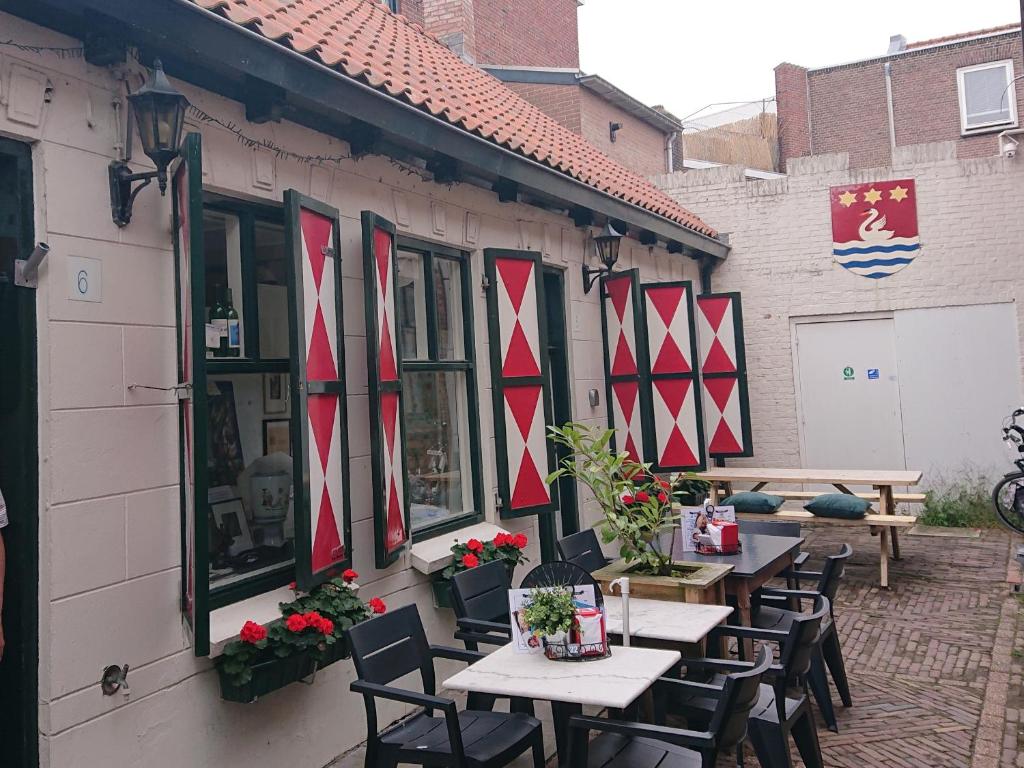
point(898, 193)
point(872, 196)
point(847, 199)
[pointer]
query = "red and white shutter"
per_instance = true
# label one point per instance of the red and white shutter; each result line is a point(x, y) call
point(627, 398)
point(384, 374)
point(187, 189)
point(675, 441)
point(519, 380)
point(322, 520)
point(724, 373)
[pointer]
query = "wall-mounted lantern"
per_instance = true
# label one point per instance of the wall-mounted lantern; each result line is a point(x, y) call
point(607, 251)
point(160, 117)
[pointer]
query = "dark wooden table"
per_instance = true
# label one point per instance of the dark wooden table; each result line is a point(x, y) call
point(763, 558)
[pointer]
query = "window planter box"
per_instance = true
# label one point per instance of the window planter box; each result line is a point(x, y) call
point(270, 675)
point(442, 589)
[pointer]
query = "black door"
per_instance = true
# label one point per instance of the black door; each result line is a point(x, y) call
point(18, 467)
point(564, 519)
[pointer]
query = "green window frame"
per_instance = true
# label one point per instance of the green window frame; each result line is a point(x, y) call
point(249, 215)
point(433, 363)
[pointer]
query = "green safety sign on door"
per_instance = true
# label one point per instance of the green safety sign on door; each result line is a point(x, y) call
point(847, 373)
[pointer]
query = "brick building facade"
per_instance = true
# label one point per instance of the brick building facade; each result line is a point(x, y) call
point(845, 108)
point(533, 47)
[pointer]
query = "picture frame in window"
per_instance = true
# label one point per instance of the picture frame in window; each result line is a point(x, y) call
point(229, 517)
point(275, 393)
point(277, 436)
point(225, 438)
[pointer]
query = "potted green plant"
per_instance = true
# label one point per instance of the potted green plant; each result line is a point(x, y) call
point(690, 491)
point(309, 635)
point(505, 547)
point(637, 509)
point(550, 613)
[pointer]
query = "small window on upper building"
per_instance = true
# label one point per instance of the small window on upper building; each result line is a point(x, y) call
point(392, 4)
point(988, 97)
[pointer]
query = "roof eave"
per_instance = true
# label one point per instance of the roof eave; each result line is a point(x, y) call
point(223, 48)
point(615, 95)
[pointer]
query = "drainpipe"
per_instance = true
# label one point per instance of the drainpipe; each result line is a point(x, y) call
point(888, 103)
point(670, 151)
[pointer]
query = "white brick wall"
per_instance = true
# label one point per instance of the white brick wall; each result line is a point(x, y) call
point(971, 228)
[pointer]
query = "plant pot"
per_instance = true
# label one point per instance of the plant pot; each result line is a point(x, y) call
point(442, 589)
point(336, 652)
point(267, 677)
point(557, 638)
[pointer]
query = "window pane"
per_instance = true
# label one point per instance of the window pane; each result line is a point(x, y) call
point(272, 289)
point(250, 514)
point(987, 97)
point(451, 339)
point(222, 253)
point(437, 454)
point(412, 306)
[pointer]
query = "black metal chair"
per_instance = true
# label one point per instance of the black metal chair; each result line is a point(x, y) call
point(480, 602)
point(583, 549)
point(394, 645)
point(639, 745)
point(776, 612)
point(783, 708)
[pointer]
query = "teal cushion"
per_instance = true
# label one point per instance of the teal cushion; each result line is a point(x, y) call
point(753, 501)
point(841, 505)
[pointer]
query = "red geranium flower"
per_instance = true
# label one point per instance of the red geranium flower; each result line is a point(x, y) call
point(292, 586)
point(349, 576)
point(470, 560)
point(377, 605)
point(627, 499)
point(296, 622)
point(474, 545)
point(252, 632)
point(326, 627)
point(319, 623)
point(664, 484)
point(519, 540)
point(502, 539)
point(663, 497)
point(642, 497)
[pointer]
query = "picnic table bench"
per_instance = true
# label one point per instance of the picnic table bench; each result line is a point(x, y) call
point(886, 522)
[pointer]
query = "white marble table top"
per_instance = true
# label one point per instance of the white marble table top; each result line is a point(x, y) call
point(613, 682)
point(664, 619)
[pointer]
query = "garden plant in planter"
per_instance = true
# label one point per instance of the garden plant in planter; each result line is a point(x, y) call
point(506, 547)
point(550, 614)
point(309, 635)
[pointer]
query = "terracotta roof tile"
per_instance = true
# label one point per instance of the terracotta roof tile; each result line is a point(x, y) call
point(963, 36)
point(365, 41)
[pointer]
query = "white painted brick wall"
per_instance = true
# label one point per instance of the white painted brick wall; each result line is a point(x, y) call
point(971, 227)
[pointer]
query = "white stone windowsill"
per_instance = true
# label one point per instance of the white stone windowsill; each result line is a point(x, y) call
point(226, 622)
point(434, 554)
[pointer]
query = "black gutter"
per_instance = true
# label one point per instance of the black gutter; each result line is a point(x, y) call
point(218, 47)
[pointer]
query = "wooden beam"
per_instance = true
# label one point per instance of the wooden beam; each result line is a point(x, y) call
point(508, 191)
point(264, 102)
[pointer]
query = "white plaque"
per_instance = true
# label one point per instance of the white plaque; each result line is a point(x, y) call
point(85, 279)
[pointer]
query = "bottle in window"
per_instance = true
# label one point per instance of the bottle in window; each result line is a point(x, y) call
point(234, 341)
point(219, 320)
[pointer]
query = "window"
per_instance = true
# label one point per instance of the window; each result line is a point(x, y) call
point(988, 98)
point(250, 494)
point(434, 319)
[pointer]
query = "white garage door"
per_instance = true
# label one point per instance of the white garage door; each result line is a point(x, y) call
point(849, 395)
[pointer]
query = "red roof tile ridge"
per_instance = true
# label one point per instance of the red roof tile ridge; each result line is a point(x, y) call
point(964, 35)
point(365, 41)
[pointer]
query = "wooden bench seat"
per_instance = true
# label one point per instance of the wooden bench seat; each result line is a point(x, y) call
point(905, 498)
point(803, 516)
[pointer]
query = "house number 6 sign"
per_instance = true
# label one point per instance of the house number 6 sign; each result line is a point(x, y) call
point(85, 278)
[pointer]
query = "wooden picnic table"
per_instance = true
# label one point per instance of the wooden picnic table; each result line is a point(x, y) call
point(722, 478)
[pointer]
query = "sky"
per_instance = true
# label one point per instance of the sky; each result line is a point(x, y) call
point(686, 54)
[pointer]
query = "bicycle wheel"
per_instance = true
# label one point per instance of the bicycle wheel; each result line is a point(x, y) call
point(1008, 496)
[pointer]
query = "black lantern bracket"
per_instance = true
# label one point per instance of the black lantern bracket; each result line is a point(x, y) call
point(122, 194)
